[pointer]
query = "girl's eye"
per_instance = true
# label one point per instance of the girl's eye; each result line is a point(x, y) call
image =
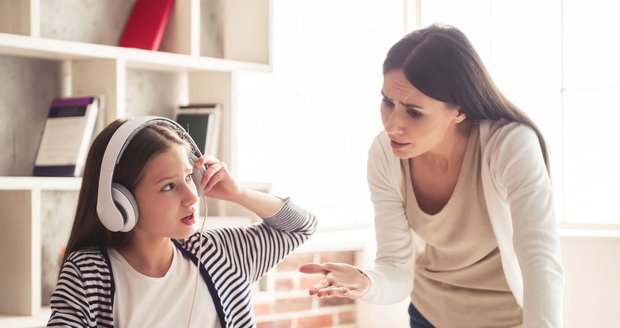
point(168, 187)
point(413, 113)
point(188, 178)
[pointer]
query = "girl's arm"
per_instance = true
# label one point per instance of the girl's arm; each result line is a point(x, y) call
point(264, 205)
point(254, 249)
point(218, 183)
point(257, 248)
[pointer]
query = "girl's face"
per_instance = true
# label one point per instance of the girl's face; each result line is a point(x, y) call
point(166, 196)
point(414, 122)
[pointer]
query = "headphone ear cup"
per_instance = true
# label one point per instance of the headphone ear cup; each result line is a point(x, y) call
point(197, 174)
point(126, 205)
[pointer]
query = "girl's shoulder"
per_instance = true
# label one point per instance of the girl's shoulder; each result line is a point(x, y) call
point(191, 244)
point(92, 256)
point(206, 237)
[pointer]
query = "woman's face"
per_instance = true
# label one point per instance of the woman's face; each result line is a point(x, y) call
point(414, 122)
point(166, 196)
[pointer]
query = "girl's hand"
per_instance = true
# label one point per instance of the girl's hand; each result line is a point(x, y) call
point(217, 180)
point(339, 280)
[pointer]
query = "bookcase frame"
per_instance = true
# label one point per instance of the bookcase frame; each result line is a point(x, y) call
point(87, 68)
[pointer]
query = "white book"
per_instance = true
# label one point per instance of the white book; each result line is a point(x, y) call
point(66, 137)
point(202, 122)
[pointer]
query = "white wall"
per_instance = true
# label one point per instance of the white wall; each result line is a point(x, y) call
point(592, 288)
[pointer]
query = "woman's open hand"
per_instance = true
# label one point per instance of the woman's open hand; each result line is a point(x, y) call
point(339, 280)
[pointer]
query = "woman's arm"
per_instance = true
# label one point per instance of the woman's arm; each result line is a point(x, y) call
point(392, 277)
point(519, 169)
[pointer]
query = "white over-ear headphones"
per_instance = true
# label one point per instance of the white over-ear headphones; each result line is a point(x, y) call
point(116, 207)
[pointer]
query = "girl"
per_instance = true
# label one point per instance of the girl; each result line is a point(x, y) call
point(466, 171)
point(147, 275)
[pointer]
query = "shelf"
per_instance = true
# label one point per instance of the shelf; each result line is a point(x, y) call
point(24, 46)
point(48, 51)
point(71, 183)
point(40, 183)
point(39, 320)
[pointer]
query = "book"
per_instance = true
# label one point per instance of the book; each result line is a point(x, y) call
point(66, 137)
point(146, 24)
point(202, 122)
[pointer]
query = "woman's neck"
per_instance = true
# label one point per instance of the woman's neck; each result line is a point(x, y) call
point(448, 155)
point(150, 257)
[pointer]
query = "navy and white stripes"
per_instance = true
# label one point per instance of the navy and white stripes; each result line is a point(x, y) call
point(231, 260)
point(85, 283)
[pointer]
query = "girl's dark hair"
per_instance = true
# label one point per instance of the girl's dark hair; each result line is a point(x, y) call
point(87, 230)
point(440, 61)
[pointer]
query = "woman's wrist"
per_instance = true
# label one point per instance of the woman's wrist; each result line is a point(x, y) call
point(365, 284)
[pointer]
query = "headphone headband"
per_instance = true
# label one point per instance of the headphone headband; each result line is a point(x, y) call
point(114, 200)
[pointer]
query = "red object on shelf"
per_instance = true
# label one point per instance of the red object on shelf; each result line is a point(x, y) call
point(146, 24)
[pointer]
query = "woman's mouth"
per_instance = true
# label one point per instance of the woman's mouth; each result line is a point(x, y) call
point(397, 145)
point(189, 220)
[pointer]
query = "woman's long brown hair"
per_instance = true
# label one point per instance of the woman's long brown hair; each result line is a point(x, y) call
point(440, 61)
point(87, 230)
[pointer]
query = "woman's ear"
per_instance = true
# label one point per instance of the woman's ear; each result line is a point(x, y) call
point(460, 117)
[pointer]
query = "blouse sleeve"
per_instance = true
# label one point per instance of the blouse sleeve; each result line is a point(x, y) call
point(520, 172)
point(392, 276)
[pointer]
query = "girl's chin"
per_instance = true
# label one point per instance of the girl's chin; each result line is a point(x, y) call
point(185, 234)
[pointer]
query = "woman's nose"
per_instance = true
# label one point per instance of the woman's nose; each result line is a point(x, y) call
point(394, 123)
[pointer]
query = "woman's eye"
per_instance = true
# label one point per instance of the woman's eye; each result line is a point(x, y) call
point(387, 102)
point(413, 113)
point(168, 187)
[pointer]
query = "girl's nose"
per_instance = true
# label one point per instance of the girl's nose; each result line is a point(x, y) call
point(190, 195)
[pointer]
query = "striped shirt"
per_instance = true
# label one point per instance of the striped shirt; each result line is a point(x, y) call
point(230, 261)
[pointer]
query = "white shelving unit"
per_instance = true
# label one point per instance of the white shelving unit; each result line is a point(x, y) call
point(51, 48)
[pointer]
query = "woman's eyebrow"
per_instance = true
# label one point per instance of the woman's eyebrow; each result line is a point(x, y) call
point(402, 103)
point(412, 105)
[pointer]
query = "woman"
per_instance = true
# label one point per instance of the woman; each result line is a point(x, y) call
point(143, 270)
point(466, 171)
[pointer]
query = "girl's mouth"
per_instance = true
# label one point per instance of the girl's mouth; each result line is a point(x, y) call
point(189, 220)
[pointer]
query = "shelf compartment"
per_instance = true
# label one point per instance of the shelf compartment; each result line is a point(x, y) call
point(20, 273)
point(28, 86)
point(97, 22)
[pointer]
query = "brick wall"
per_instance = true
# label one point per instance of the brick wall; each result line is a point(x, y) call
point(284, 300)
